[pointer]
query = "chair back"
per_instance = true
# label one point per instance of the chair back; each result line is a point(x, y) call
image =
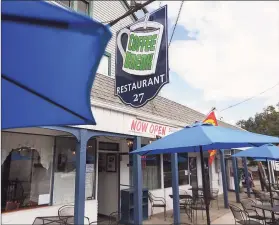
point(151, 197)
point(214, 192)
point(237, 213)
point(247, 204)
point(66, 210)
point(182, 192)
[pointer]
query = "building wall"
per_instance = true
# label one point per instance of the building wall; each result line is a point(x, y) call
point(117, 121)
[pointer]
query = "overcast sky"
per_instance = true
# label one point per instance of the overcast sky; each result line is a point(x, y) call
point(223, 53)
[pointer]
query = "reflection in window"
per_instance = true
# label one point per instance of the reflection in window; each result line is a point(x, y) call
point(183, 173)
point(104, 66)
point(65, 170)
point(25, 181)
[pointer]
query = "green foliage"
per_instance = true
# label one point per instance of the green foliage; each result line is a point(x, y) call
point(252, 162)
point(266, 122)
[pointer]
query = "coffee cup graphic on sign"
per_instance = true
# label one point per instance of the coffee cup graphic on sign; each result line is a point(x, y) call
point(143, 45)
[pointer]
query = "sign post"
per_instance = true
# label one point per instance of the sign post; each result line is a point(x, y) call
point(142, 59)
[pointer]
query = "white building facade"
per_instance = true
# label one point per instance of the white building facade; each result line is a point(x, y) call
point(42, 191)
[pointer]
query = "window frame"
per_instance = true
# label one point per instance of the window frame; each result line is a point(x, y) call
point(88, 9)
point(61, 2)
point(116, 144)
point(51, 176)
point(131, 165)
point(93, 197)
point(108, 55)
point(189, 177)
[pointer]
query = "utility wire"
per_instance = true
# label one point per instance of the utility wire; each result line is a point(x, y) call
point(177, 18)
point(248, 99)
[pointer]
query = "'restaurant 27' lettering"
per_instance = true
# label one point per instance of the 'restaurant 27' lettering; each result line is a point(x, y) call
point(147, 82)
point(145, 127)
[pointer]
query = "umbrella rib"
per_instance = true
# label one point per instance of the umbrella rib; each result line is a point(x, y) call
point(35, 21)
point(42, 96)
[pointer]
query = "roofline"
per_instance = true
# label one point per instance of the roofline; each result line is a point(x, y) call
point(238, 127)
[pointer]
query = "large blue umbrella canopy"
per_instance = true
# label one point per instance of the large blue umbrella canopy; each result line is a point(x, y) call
point(207, 136)
point(262, 153)
point(49, 60)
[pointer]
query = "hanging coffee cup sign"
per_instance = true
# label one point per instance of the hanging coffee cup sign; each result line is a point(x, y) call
point(144, 41)
point(142, 59)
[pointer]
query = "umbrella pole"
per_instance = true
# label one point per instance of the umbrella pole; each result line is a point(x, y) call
point(204, 184)
point(270, 193)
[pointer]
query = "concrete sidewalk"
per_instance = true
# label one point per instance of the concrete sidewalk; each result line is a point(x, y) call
point(225, 219)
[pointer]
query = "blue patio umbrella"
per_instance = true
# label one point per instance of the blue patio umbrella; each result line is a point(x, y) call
point(265, 152)
point(205, 137)
point(202, 137)
point(49, 60)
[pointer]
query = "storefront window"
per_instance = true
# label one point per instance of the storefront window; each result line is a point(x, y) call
point(151, 171)
point(183, 173)
point(65, 170)
point(183, 168)
point(26, 171)
point(167, 170)
point(104, 66)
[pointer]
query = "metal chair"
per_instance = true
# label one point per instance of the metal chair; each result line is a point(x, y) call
point(250, 211)
point(52, 220)
point(114, 218)
point(214, 196)
point(157, 202)
point(240, 217)
point(197, 204)
point(69, 211)
point(188, 202)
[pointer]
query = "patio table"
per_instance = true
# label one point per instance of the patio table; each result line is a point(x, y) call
point(57, 220)
point(274, 209)
point(187, 203)
point(196, 189)
point(182, 196)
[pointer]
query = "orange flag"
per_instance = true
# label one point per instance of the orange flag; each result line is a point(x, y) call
point(211, 118)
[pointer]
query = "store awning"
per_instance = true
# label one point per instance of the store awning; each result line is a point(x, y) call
point(49, 60)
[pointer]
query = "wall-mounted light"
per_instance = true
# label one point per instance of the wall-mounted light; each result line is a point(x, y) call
point(130, 143)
